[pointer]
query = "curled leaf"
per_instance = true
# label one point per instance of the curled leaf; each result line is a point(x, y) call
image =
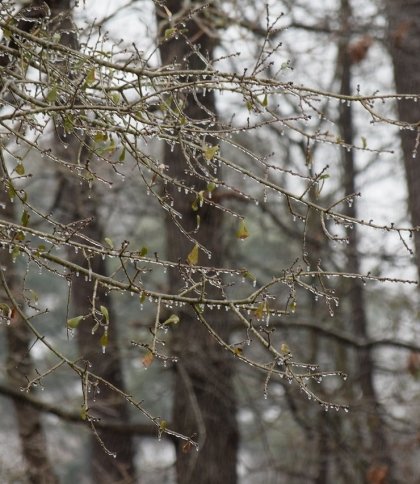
point(143, 251)
point(148, 359)
point(211, 186)
point(104, 340)
point(25, 218)
point(261, 309)
point(20, 169)
point(192, 257)
point(264, 102)
point(284, 349)
point(173, 319)
point(105, 313)
point(109, 242)
point(242, 232)
point(210, 152)
point(73, 323)
point(249, 275)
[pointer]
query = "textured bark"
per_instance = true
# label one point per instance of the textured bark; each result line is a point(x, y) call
point(77, 202)
point(19, 361)
point(204, 400)
point(19, 368)
point(379, 452)
point(404, 44)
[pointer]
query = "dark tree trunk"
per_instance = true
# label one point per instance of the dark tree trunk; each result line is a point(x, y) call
point(79, 202)
point(379, 452)
point(204, 399)
point(404, 44)
point(19, 368)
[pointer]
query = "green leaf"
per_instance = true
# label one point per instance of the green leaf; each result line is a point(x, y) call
point(264, 102)
point(109, 242)
point(91, 77)
point(198, 202)
point(52, 94)
point(11, 191)
point(73, 323)
point(116, 98)
point(249, 105)
point(25, 218)
point(261, 309)
point(364, 142)
point(242, 232)
point(211, 187)
point(192, 257)
point(142, 297)
point(20, 169)
point(194, 205)
point(15, 252)
point(84, 412)
point(122, 155)
point(104, 340)
point(143, 251)
point(41, 248)
point(249, 275)
point(104, 311)
point(173, 319)
point(169, 33)
point(100, 136)
point(7, 33)
point(5, 310)
point(284, 349)
point(210, 152)
point(68, 124)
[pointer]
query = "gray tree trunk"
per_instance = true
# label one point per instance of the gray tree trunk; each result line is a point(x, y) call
point(204, 397)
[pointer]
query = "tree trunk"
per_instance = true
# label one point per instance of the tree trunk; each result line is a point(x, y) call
point(404, 44)
point(204, 399)
point(19, 368)
point(79, 202)
point(379, 453)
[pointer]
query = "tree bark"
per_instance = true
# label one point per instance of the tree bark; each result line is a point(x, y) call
point(19, 361)
point(404, 45)
point(20, 367)
point(379, 452)
point(204, 398)
point(78, 202)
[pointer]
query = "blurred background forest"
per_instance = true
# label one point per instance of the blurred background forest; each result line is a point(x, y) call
point(296, 169)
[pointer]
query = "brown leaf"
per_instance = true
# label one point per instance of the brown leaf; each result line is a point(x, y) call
point(377, 474)
point(399, 34)
point(187, 447)
point(413, 364)
point(148, 359)
point(359, 49)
